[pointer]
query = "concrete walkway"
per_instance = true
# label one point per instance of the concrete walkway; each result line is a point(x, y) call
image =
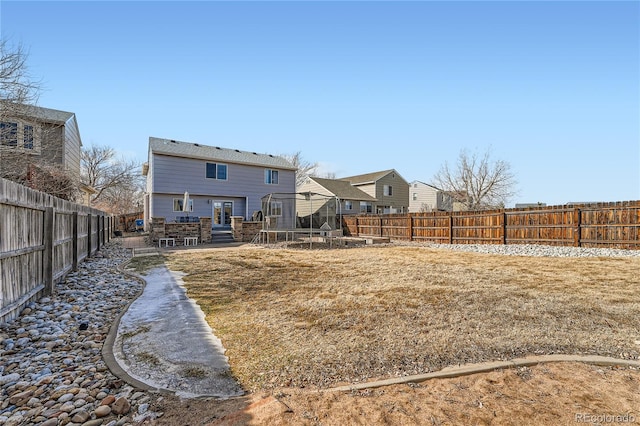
point(163, 341)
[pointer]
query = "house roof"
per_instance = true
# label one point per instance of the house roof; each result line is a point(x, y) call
point(207, 152)
point(369, 177)
point(343, 189)
point(40, 113)
point(425, 184)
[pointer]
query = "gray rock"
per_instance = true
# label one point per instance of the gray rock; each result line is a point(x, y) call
point(9, 378)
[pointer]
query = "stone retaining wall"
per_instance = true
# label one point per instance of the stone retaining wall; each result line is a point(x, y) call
point(160, 228)
point(244, 230)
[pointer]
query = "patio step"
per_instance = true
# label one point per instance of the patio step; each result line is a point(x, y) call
point(222, 237)
point(145, 251)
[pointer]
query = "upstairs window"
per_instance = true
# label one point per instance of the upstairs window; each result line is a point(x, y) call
point(271, 177)
point(415, 196)
point(348, 205)
point(216, 171)
point(28, 136)
point(8, 133)
point(387, 190)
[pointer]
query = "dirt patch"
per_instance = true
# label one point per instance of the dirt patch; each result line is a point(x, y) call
point(562, 394)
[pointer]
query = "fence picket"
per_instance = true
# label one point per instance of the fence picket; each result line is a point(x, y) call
point(603, 225)
point(41, 238)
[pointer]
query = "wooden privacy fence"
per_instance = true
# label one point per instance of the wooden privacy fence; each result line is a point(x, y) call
point(42, 238)
point(602, 225)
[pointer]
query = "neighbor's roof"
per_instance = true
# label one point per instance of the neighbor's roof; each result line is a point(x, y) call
point(343, 189)
point(423, 183)
point(369, 177)
point(207, 152)
point(40, 113)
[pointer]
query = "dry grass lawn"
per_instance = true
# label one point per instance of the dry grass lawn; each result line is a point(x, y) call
point(320, 318)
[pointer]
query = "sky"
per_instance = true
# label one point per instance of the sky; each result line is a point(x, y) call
point(550, 87)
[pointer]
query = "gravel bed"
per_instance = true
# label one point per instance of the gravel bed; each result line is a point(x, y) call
point(52, 371)
point(531, 250)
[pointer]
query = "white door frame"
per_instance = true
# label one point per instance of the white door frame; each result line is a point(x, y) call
point(225, 219)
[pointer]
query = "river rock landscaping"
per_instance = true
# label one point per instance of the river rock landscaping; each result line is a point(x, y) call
point(52, 370)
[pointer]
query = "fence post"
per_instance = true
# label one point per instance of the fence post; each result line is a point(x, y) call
point(357, 229)
point(504, 227)
point(380, 226)
point(410, 227)
point(89, 232)
point(577, 231)
point(100, 231)
point(450, 228)
point(47, 256)
point(75, 240)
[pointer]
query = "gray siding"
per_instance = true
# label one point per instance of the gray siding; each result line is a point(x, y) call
point(201, 206)
point(171, 176)
point(72, 146)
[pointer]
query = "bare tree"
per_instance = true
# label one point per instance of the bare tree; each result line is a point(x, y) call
point(477, 182)
point(118, 182)
point(304, 168)
point(123, 199)
point(328, 175)
point(19, 91)
point(17, 86)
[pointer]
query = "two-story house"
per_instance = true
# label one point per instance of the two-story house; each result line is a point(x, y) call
point(428, 198)
point(389, 189)
point(31, 134)
point(338, 197)
point(219, 182)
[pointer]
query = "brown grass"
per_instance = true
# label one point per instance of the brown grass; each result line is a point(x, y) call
point(322, 318)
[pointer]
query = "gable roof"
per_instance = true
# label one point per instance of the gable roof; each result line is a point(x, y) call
point(48, 115)
point(342, 189)
point(425, 184)
point(207, 152)
point(370, 177)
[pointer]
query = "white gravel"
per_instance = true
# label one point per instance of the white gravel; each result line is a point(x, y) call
point(532, 250)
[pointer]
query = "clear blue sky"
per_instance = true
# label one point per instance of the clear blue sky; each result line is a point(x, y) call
point(552, 87)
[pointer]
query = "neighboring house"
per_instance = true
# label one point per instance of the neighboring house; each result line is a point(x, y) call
point(45, 135)
point(427, 198)
point(389, 189)
point(220, 182)
point(86, 192)
point(339, 197)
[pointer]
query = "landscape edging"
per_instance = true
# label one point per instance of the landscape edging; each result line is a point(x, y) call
point(485, 367)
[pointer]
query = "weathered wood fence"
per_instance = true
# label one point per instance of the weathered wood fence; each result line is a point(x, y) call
point(602, 225)
point(42, 238)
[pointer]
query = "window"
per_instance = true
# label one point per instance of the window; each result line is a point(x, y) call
point(348, 205)
point(271, 177)
point(366, 207)
point(387, 190)
point(28, 136)
point(415, 196)
point(8, 134)
point(276, 208)
point(178, 202)
point(216, 171)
